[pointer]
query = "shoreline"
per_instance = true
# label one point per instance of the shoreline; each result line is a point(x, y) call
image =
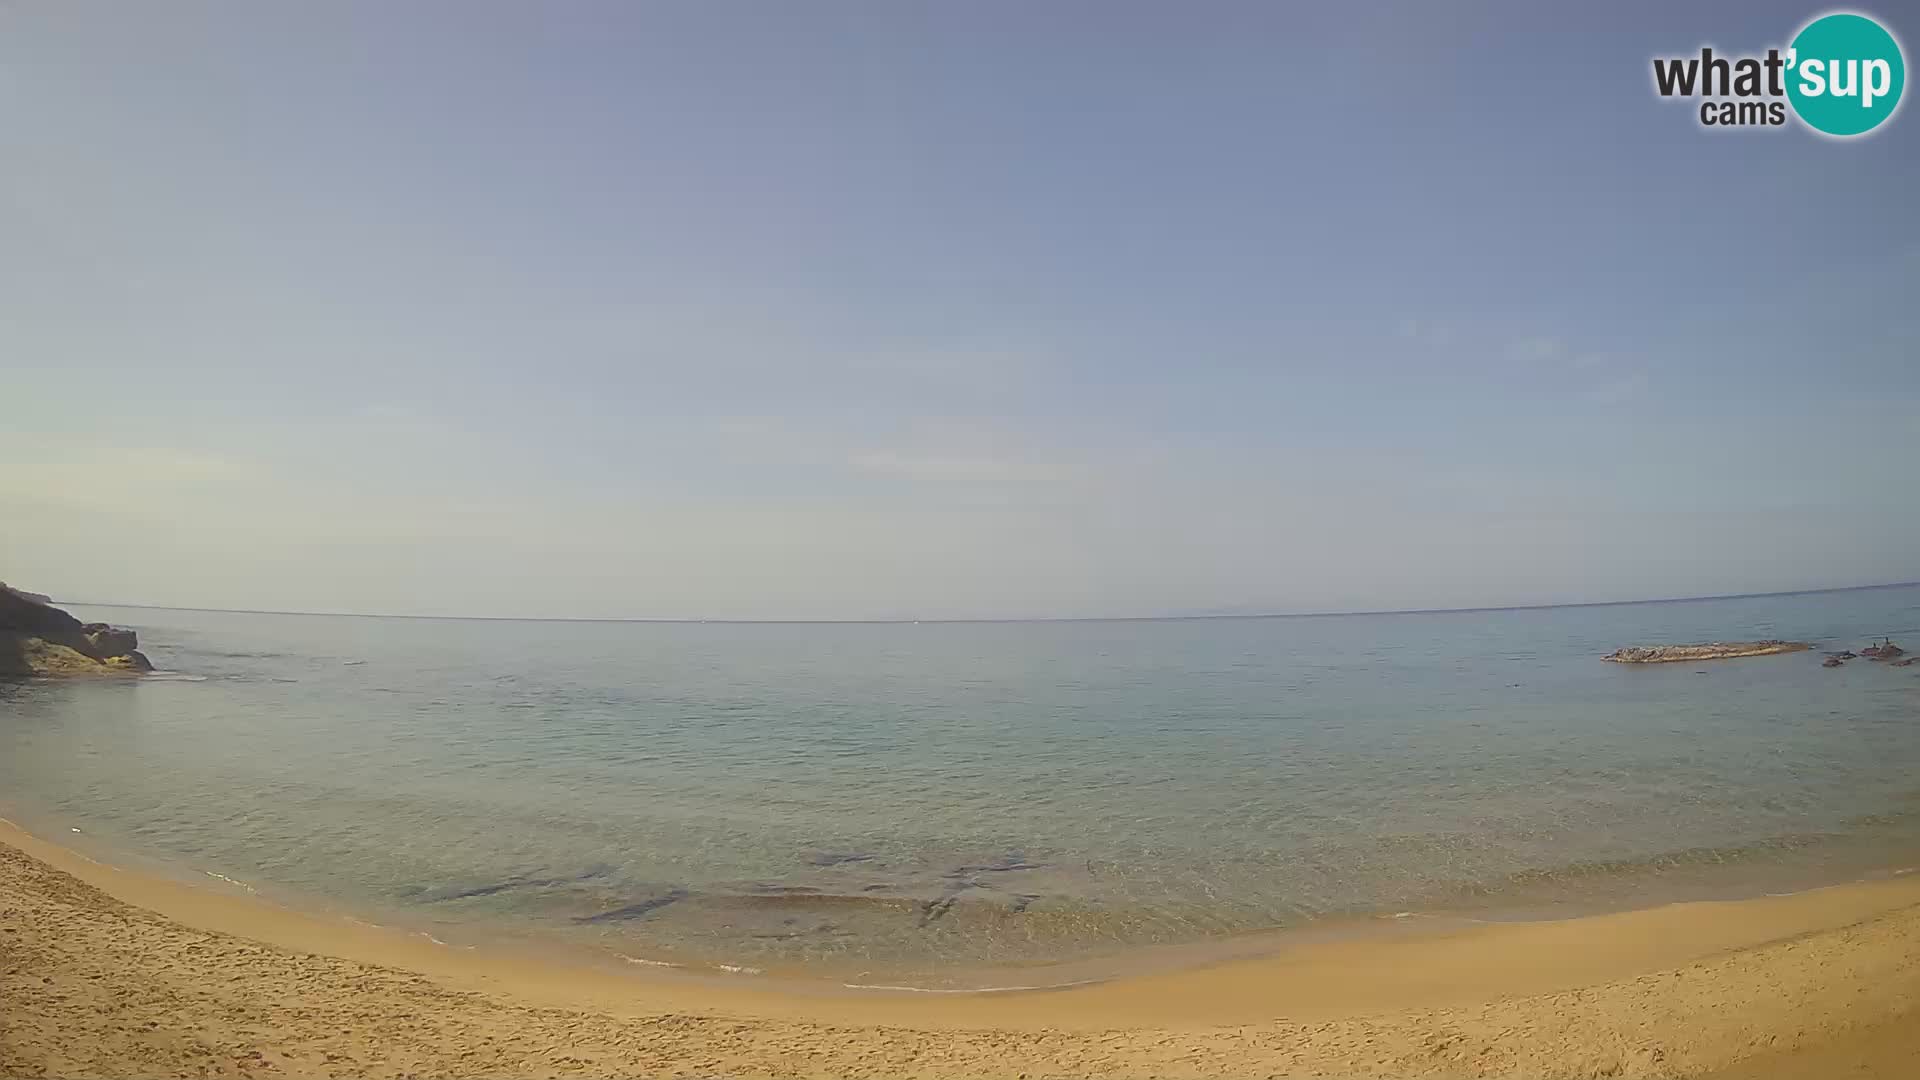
point(1734, 980)
point(956, 978)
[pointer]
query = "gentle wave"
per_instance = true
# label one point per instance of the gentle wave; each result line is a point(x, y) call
point(647, 963)
point(228, 880)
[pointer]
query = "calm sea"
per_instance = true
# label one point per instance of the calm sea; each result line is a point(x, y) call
point(911, 801)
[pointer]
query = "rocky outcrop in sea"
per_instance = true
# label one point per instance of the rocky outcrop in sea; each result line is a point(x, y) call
point(1886, 650)
point(1718, 650)
point(37, 638)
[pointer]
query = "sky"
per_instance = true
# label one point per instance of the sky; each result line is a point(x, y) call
point(903, 310)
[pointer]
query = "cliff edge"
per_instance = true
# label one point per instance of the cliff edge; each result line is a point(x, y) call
point(37, 638)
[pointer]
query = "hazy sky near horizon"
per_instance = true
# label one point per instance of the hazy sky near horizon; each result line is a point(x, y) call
point(984, 309)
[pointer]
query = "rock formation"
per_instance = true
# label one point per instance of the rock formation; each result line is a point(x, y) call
point(1886, 650)
point(37, 638)
point(1718, 650)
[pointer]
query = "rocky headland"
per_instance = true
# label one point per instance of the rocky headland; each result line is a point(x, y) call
point(1717, 650)
point(37, 638)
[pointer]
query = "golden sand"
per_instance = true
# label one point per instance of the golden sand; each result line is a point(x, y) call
point(108, 972)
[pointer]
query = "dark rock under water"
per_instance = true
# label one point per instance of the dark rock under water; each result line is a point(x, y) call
point(520, 882)
point(838, 858)
point(638, 910)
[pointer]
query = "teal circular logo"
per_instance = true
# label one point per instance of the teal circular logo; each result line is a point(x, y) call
point(1845, 74)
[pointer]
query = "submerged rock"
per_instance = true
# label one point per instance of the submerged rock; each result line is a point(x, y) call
point(639, 909)
point(1833, 661)
point(839, 858)
point(1717, 650)
point(37, 638)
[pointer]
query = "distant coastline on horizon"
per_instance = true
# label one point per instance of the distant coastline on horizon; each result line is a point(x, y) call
point(1169, 617)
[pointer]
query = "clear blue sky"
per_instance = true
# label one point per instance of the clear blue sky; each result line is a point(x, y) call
point(969, 309)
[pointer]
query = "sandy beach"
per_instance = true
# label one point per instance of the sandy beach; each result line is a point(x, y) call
point(108, 972)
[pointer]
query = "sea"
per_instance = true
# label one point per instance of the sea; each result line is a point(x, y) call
point(965, 805)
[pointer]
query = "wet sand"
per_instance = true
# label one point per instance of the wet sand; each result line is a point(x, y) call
point(105, 971)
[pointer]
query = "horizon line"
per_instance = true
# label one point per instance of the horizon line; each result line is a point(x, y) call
point(1485, 609)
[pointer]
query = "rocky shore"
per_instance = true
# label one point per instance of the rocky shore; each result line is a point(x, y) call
point(37, 638)
point(1717, 650)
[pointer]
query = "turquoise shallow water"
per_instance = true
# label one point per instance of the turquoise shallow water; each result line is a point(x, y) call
point(921, 799)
